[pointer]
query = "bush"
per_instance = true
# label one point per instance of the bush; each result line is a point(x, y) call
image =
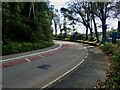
point(108, 47)
point(17, 47)
point(113, 80)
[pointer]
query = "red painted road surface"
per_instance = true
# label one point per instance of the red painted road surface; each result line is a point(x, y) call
point(32, 58)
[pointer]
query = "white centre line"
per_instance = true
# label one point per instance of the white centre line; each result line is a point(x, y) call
point(27, 60)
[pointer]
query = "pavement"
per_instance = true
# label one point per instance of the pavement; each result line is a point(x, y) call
point(40, 69)
point(87, 74)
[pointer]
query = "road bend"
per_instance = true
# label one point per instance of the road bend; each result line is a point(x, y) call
point(37, 69)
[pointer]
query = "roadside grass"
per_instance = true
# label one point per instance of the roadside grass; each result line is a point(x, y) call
point(113, 77)
point(19, 47)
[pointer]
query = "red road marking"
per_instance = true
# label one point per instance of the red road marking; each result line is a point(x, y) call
point(12, 63)
point(46, 54)
point(66, 45)
point(36, 57)
point(32, 58)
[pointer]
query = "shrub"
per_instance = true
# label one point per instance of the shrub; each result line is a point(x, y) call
point(113, 80)
point(17, 47)
point(108, 47)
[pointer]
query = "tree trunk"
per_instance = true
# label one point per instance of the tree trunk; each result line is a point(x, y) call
point(91, 33)
point(95, 27)
point(118, 26)
point(65, 30)
point(65, 34)
point(60, 30)
point(88, 18)
point(104, 27)
point(55, 29)
point(86, 33)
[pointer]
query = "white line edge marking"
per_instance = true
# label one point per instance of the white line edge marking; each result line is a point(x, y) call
point(41, 56)
point(27, 60)
point(85, 57)
point(60, 45)
point(45, 86)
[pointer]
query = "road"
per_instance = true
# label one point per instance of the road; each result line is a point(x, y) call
point(42, 68)
point(88, 74)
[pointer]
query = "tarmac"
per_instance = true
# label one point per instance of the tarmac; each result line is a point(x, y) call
point(88, 74)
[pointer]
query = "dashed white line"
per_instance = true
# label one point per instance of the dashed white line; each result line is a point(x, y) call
point(27, 60)
point(60, 45)
point(41, 56)
point(85, 57)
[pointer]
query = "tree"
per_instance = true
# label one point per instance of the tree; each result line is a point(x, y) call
point(56, 20)
point(64, 12)
point(81, 9)
point(0, 21)
point(71, 17)
point(117, 9)
point(102, 10)
point(23, 25)
point(93, 17)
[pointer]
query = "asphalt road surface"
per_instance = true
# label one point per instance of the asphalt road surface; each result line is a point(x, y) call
point(88, 74)
point(37, 69)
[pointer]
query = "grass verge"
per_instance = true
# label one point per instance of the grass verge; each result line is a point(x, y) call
point(113, 75)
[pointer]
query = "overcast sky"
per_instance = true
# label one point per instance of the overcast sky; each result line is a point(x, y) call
point(61, 3)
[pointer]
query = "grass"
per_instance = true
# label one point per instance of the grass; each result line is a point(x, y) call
point(17, 47)
point(113, 80)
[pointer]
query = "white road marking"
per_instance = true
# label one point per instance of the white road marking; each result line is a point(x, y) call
point(50, 52)
point(60, 45)
point(41, 56)
point(27, 60)
point(85, 57)
point(47, 85)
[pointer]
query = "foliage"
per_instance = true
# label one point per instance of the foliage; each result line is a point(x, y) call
point(88, 11)
point(18, 47)
point(20, 30)
point(107, 47)
point(0, 47)
point(17, 26)
point(113, 81)
point(76, 36)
